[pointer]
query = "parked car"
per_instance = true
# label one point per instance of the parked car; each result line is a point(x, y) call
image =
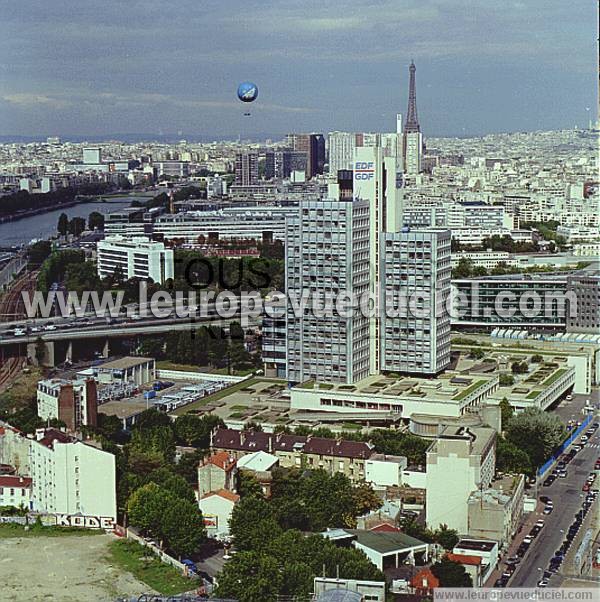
point(548, 510)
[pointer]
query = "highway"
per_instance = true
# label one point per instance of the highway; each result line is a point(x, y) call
point(567, 496)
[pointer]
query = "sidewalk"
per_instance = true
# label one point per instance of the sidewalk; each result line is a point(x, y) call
point(526, 526)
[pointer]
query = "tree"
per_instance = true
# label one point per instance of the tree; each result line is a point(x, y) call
point(519, 367)
point(76, 226)
point(187, 467)
point(506, 411)
point(477, 354)
point(365, 499)
point(188, 429)
point(173, 483)
point(158, 439)
point(95, 221)
point(536, 358)
point(250, 576)
point(182, 526)
point(537, 433)
point(505, 380)
point(510, 458)
point(145, 508)
point(63, 224)
point(248, 484)
point(38, 253)
point(451, 574)
point(252, 524)
point(446, 537)
point(151, 418)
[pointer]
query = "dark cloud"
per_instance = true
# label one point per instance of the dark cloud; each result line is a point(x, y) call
point(148, 66)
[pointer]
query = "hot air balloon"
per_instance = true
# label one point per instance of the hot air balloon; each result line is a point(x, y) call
point(247, 92)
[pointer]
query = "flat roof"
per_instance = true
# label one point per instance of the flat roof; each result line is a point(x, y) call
point(385, 542)
point(479, 545)
point(125, 362)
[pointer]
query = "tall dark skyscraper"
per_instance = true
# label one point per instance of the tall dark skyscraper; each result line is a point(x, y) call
point(314, 147)
point(412, 119)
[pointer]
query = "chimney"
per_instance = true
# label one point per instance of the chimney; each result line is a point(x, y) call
point(39, 434)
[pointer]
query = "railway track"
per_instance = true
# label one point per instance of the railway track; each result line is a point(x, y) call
point(12, 308)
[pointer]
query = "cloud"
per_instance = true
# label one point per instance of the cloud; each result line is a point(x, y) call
point(28, 100)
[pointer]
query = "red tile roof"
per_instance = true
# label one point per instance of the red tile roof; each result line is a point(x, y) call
point(464, 559)
point(13, 481)
point(228, 495)
point(222, 460)
point(385, 528)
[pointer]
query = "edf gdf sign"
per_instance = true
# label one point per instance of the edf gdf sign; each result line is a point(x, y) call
point(364, 170)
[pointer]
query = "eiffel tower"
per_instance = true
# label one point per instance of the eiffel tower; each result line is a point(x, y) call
point(412, 120)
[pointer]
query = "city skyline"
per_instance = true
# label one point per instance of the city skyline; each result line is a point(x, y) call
point(74, 72)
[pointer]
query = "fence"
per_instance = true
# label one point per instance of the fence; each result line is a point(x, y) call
point(561, 448)
point(163, 556)
point(192, 376)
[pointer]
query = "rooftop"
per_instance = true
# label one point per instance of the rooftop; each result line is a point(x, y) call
point(125, 362)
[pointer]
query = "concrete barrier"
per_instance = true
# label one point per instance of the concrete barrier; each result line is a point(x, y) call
point(193, 376)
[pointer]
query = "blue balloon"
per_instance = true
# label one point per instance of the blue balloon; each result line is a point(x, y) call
point(247, 92)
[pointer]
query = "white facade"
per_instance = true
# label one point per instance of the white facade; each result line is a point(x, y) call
point(413, 152)
point(216, 508)
point(341, 151)
point(385, 471)
point(327, 253)
point(73, 401)
point(71, 477)
point(459, 462)
point(135, 258)
point(416, 281)
point(15, 491)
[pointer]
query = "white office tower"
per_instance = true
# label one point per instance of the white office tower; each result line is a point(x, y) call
point(374, 180)
point(327, 254)
point(416, 281)
point(413, 152)
point(398, 123)
point(341, 150)
point(135, 257)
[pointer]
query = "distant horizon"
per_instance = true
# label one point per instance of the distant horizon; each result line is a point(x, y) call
point(172, 138)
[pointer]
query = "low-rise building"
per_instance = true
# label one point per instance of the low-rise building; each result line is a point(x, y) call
point(495, 513)
point(217, 507)
point(138, 370)
point(486, 550)
point(135, 257)
point(15, 491)
point(216, 472)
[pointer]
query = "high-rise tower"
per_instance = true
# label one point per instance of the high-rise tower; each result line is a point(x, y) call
point(412, 120)
point(413, 139)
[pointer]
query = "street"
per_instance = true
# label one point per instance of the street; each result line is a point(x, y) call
point(567, 495)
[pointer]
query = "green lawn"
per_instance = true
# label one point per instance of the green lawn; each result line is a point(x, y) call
point(216, 396)
point(239, 408)
point(11, 530)
point(143, 565)
point(472, 387)
point(532, 394)
point(554, 377)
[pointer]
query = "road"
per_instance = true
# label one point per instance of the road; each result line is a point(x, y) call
point(567, 497)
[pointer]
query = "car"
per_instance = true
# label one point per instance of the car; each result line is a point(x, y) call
point(540, 523)
point(584, 439)
point(545, 499)
point(549, 481)
point(562, 474)
point(509, 570)
point(586, 487)
point(513, 560)
point(577, 448)
point(543, 583)
point(527, 540)
point(569, 397)
point(548, 510)
point(49, 327)
point(561, 465)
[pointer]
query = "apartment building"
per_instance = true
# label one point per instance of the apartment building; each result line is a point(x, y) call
point(75, 402)
point(327, 254)
point(460, 461)
point(135, 257)
point(416, 280)
point(331, 455)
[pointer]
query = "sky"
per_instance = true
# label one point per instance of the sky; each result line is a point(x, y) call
point(78, 68)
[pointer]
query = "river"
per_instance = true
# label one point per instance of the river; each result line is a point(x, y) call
point(43, 225)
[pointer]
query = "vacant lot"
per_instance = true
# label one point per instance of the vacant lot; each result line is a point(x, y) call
point(62, 569)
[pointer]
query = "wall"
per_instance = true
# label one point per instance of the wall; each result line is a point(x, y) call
point(195, 376)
